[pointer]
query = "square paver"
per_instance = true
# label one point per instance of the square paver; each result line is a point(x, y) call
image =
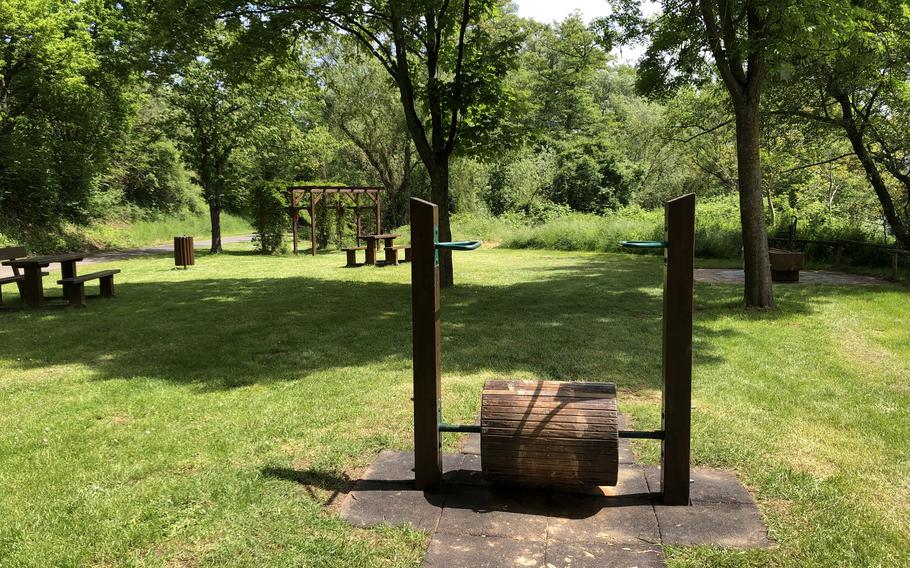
point(386, 494)
point(465, 551)
point(495, 511)
point(707, 486)
point(610, 520)
point(731, 525)
point(575, 555)
point(471, 444)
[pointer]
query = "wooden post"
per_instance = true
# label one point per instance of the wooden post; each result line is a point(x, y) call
point(677, 349)
point(895, 266)
point(377, 201)
point(838, 252)
point(426, 343)
point(313, 222)
point(295, 217)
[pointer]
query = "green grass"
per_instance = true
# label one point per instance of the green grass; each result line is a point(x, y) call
point(208, 416)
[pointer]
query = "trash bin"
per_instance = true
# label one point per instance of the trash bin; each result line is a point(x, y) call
point(184, 253)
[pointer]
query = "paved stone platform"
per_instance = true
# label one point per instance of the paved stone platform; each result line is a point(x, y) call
point(737, 276)
point(476, 524)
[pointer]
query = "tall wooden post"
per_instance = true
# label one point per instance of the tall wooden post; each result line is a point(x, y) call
point(378, 202)
point(313, 222)
point(426, 343)
point(677, 349)
point(295, 217)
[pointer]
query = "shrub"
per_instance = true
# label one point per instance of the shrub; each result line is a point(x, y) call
point(268, 212)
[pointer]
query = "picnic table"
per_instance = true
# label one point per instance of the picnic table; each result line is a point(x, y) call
point(373, 244)
point(32, 285)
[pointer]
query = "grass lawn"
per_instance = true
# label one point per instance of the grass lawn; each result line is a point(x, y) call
point(211, 416)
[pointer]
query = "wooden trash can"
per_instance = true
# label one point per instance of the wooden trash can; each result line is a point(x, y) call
point(549, 433)
point(785, 265)
point(184, 251)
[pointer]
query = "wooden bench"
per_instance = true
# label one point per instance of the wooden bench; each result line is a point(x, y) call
point(391, 254)
point(74, 288)
point(352, 255)
point(12, 253)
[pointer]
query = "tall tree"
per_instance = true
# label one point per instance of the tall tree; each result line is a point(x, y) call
point(446, 58)
point(65, 73)
point(360, 103)
point(738, 41)
point(853, 78)
point(220, 98)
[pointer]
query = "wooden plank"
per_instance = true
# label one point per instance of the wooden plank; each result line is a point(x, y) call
point(426, 339)
point(677, 349)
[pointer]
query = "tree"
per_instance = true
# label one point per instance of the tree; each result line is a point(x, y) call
point(446, 58)
point(854, 78)
point(361, 105)
point(220, 99)
point(737, 40)
point(64, 102)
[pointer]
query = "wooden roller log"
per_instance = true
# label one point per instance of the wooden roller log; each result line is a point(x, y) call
point(549, 432)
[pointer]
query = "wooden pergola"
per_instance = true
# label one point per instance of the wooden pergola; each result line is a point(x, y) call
point(316, 193)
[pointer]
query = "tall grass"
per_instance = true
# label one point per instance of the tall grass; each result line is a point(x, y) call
point(148, 232)
point(119, 234)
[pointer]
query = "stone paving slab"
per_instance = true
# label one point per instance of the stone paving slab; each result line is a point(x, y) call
point(484, 552)
point(707, 486)
point(573, 555)
point(730, 525)
point(495, 511)
point(476, 523)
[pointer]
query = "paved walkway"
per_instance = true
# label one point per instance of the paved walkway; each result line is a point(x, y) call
point(126, 254)
point(737, 276)
point(474, 524)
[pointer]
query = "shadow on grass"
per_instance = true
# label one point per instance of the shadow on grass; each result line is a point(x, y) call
point(600, 321)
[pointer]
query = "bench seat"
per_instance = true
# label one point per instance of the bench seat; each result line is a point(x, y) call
point(11, 279)
point(352, 255)
point(391, 254)
point(74, 287)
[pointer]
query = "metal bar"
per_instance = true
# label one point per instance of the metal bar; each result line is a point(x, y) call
point(443, 427)
point(644, 434)
point(644, 244)
point(458, 245)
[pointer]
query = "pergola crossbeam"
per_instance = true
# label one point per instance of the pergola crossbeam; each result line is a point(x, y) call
point(316, 193)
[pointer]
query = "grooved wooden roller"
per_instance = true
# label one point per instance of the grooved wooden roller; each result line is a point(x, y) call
point(549, 432)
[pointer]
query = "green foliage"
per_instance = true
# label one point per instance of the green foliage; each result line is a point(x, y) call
point(268, 212)
point(64, 100)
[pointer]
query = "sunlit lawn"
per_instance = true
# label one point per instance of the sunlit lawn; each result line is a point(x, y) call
point(210, 416)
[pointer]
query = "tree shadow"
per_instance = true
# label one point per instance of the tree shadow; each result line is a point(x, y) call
point(599, 321)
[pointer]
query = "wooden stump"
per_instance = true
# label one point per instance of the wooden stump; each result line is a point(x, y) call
point(549, 432)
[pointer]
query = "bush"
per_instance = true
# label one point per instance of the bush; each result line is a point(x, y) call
point(268, 212)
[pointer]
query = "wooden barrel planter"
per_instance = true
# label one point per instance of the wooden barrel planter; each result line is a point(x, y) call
point(184, 251)
point(549, 433)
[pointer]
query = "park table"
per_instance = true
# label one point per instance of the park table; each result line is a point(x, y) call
point(32, 285)
point(373, 244)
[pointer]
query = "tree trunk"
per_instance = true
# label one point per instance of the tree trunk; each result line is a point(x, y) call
point(439, 194)
point(855, 135)
point(215, 215)
point(758, 291)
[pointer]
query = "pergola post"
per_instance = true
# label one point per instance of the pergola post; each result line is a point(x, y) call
point(295, 217)
point(313, 222)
